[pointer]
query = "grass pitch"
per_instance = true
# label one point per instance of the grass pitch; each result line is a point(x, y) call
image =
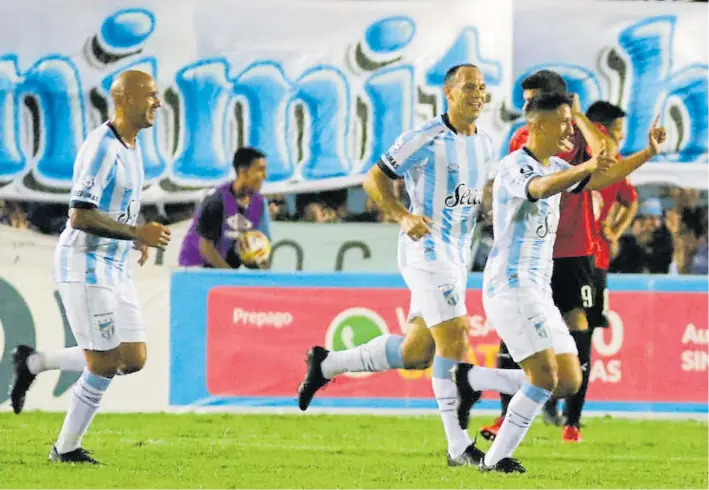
point(319, 451)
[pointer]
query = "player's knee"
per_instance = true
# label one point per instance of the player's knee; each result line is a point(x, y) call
point(576, 319)
point(544, 376)
point(133, 364)
point(451, 338)
point(569, 382)
point(101, 363)
point(418, 357)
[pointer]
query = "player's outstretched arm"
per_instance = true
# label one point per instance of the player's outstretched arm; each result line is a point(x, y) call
point(566, 180)
point(592, 134)
point(626, 166)
point(91, 220)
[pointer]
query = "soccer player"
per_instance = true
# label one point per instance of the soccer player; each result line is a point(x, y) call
point(91, 265)
point(446, 163)
point(614, 210)
point(517, 293)
point(573, 277)
point(227, 211)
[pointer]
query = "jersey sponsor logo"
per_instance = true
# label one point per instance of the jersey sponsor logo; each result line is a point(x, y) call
point(464, 196)
point(391, 160)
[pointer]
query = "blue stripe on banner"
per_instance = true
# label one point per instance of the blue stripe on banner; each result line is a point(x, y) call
point(430, 404)
point(451, 182)
point(429, 187)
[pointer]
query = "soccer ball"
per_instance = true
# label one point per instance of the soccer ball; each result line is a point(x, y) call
point(253, 248)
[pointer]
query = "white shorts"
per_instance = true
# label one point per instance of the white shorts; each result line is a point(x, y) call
point(437, 291)
point(102, 316)
point(528, 322)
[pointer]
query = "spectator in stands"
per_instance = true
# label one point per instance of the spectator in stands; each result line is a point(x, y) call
point(225, 213)
point(649, 247)
point(278, 208)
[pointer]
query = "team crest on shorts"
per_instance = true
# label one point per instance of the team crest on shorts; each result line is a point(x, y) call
point(449, 294)
point(106, 328)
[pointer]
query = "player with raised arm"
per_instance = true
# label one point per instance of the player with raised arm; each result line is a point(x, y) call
point(517, 294)
point(573, 279)
point(92, 269)
point(447, 164)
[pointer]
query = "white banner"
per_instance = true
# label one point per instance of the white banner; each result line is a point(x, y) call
point(647, 57)
point(322, 87)
point(30, 313)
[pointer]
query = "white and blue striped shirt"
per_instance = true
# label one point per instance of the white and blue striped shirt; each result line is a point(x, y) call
point(445, 173)
point(524, 228)
point(108, 175)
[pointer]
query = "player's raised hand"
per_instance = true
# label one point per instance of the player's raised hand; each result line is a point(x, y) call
point(575, 104)
point(416, 227)
point(656, 137)
point(153, 234)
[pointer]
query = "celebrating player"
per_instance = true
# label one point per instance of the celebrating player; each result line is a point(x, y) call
point(614, 210)
point(517, 294)
point(573, 276)
point(91, 265)
point(226, 212)
point(446, 165)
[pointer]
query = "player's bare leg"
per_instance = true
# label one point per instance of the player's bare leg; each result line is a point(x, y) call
point(451, 339)
point(28, 363)
point(578, 326)
point(101, 367)
point(133, 356)
point(414, 351)
point(544, 374)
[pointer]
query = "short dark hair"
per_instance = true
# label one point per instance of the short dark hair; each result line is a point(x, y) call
point(450, 74)
point(604, 113)
point(244, 157)
point(547, 102)
point(545, 80)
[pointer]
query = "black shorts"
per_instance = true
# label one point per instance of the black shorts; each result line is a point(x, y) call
point(597, 315)
point(572, 283)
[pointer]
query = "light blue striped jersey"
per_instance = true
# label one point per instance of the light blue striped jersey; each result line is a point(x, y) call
point(445, 174)
point(524, 229)
point(108, 175)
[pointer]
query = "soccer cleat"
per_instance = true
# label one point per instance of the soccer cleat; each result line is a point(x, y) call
point(79, 455)
point(552, 416)
point(467, 397)
point(470, 457)
point(571, 434)
point(489, 432)
point(22, 378)
point(314, 379)
point(505, 465)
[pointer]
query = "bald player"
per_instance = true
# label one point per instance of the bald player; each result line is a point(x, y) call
point(91, 266)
